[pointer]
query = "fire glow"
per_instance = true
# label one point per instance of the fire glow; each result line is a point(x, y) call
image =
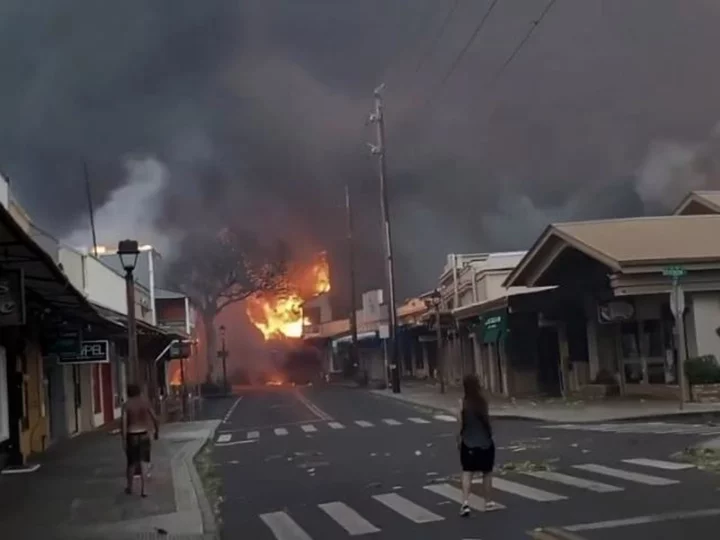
point(281, 316)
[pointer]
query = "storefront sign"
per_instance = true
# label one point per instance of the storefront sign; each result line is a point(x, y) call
point(12, 298)
point(494, 325)
point(64, 343)
point(179, 350)
point(91, 352)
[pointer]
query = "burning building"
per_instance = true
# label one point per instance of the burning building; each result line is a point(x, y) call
point(283, 317)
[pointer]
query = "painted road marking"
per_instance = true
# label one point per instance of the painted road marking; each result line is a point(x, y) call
point(224, 438)
point(235, 443)
point(226, 419)
point(445, 418)
point(560, 478)
point(280, 431)
point(336, 425)
point(348, 518)
point(455, 495)
point(419, 421)
point(284, 527)
point(317, 411)
point(627, 475)
point(522, 490)
point(253, 434)
point(391, 422)
point(642, 520)
point(364, 423)
point(659, 464)
point(407, 509)
point(308, 428)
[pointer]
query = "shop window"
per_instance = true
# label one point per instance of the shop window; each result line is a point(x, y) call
point(629, 340)
point(97, 395)
point(653, 338)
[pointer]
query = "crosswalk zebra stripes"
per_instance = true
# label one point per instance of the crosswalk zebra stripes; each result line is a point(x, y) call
point(653, 428)
point(310, 427)
point(418, 509)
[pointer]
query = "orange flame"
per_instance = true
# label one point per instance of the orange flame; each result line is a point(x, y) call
point(281, 316)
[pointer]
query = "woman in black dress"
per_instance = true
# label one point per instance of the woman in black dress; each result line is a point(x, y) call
point(475, 441)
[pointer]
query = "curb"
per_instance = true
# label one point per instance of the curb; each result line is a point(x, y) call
point(208, 516)
point(525, 417)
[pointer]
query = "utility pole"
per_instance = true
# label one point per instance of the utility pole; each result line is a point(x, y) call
point(379, 150)
point(354, 356)
point(223, 354)
point(677, 306)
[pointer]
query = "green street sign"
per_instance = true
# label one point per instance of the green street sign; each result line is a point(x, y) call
point(674, 271)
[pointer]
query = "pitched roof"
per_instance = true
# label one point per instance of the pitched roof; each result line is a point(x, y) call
point(623, 243)
point(709, 201)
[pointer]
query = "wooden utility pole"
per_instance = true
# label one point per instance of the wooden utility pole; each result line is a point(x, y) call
point(378, 119)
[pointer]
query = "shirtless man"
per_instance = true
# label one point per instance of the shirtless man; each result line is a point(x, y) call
point(137, 415)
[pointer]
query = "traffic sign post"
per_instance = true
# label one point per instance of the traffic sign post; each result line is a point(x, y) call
point(677, 306)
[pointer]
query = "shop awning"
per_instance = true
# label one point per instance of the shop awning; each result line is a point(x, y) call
point(494, 325)
point(44, 281)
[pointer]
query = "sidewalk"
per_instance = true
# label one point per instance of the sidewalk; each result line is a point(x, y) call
point(552, 410)
point(78, 492)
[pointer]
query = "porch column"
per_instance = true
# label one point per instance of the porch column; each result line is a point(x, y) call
point(564, 358)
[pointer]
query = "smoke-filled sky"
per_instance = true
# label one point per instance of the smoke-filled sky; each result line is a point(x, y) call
point(252, 113)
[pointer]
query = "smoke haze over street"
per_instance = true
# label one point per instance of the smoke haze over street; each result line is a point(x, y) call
point(253, 113)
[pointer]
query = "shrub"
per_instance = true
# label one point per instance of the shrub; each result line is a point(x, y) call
point(703, 370)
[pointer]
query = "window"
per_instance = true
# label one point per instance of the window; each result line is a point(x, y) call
point(653, 339)
point(4, 418)
point(96, 382)
point(629, 340)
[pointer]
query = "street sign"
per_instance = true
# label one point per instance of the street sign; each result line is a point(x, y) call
point(65, 343)
point(91, 352)
point(674, 271)
point(384, 331)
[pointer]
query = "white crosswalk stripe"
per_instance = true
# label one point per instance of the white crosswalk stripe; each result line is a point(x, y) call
point(225, 437)
point(280, 431)
point(626, 475)
point(521, 490)
point(455, 495)
point(391, 422)
point(253, 435)
point(445, 418)
point(348, 518)
point(419, 421)
point(364, 423)
point(573, 481)
point(336, 425)
point(284, 527)
point(407, 508)
point(308, 428)
point(659, 464)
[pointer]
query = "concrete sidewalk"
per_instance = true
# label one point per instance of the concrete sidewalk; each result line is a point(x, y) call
point(78, 492)
point(553, 410)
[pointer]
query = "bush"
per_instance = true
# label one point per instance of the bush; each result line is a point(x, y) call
point(703, 370)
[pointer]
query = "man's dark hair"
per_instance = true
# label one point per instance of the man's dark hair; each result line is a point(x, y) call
point(133, 390)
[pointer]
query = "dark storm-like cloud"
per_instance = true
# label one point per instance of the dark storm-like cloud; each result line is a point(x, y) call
point(256, 110)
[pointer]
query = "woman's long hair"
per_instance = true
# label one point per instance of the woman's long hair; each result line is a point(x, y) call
point(473, 400)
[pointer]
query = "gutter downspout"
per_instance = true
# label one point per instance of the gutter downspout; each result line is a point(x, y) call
point(474, 285)
point(151, 267)
point(456, 297)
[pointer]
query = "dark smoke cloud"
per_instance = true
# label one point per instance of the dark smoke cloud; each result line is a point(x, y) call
point(254, 112)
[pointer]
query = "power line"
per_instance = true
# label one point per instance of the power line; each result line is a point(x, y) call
point(467, 46)
point(427, 53)
point(522, 43)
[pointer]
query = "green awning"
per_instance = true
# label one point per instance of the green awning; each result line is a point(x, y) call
point(494, 325)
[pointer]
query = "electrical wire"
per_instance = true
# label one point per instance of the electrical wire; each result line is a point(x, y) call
point(427, 53)
point(527, 37)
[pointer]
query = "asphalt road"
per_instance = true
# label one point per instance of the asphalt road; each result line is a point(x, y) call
point(331, 463)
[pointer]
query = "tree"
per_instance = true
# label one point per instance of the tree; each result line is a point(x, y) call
point(216, 269)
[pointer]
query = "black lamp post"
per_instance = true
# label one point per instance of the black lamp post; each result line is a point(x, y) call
point(434, 300)
point(128, 252)
point(223, 356)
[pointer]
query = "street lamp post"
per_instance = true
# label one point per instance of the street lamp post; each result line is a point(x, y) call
point(223, 357)
point(128, 251)
point(435, 300)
